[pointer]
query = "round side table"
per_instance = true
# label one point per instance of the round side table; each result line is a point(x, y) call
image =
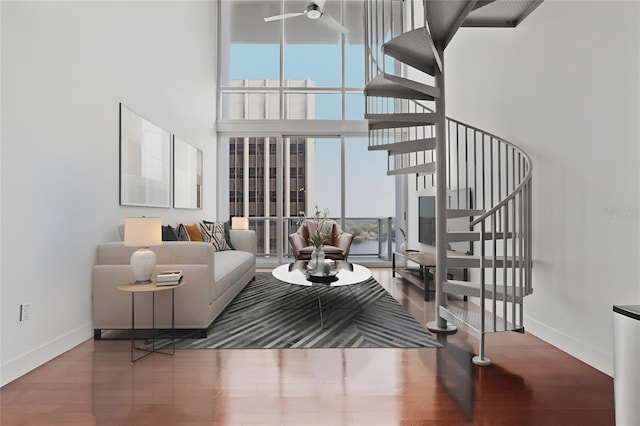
point(152, 288)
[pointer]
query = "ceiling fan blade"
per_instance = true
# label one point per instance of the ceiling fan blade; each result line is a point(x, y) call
point(331, 22)
point(284, 16)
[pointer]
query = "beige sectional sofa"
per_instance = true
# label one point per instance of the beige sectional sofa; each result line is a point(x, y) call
point(213, 278)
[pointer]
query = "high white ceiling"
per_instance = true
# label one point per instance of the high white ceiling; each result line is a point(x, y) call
point(247, 21)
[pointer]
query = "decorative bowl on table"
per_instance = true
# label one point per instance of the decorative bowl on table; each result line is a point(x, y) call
point(322, 275)
point(322, 279)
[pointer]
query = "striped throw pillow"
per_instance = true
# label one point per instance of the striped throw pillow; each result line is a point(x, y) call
point(213, 232)
point(182, 233)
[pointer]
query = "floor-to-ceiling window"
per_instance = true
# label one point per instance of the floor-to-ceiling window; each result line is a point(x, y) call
point(292, 133)
point(369, 203)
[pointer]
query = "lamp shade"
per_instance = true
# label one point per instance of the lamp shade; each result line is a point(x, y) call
point(142, 231)
point(239, 222)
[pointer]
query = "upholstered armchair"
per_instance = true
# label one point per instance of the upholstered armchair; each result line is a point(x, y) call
point(336, 247)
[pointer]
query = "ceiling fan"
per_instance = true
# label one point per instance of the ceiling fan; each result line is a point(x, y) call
point(314, 11)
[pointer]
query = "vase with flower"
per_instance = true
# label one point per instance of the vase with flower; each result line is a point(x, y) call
point(318, 235)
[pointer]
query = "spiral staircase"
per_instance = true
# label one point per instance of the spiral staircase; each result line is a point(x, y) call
point(405, 107)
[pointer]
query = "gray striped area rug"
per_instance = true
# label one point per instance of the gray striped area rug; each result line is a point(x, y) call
point(268, 313)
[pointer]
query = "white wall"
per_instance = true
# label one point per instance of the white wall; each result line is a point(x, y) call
point(564, 86)
point(65, 68)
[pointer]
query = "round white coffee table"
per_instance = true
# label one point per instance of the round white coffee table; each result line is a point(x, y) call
point(295, 274)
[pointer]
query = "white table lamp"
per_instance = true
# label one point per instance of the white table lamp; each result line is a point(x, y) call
point(142, 232)
point(239, 222)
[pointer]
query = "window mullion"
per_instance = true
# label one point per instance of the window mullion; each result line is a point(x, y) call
point(342, 61)
point(280, 91)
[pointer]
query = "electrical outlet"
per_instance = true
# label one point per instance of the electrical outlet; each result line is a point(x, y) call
point(25, 311)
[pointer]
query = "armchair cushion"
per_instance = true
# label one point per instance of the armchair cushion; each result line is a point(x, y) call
point(330, 252)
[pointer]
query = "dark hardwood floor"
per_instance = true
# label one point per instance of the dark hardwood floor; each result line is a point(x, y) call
point(528, 383)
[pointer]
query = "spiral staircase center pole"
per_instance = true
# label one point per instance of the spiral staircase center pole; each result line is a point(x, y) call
point(440, 324)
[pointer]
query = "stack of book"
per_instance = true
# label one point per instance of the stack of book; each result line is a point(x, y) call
point(169, 277)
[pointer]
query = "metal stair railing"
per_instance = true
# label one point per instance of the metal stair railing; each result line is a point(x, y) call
point(499, 175)
point(383, 21)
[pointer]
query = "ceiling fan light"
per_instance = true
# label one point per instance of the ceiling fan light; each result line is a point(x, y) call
point(313, 11)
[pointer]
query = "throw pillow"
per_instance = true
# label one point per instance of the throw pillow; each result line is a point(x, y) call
point(213, 233)
point(206, 232)
point(183, 235)
point(169, 234)
point(194, 233)
point(220, 227)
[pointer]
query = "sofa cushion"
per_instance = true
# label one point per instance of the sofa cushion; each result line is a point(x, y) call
point(168, 253)
point(230, 265)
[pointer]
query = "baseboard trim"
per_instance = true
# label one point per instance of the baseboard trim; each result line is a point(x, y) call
point(586, 353)
point(17, 367)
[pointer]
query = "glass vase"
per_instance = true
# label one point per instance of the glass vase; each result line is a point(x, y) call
point(317, 259)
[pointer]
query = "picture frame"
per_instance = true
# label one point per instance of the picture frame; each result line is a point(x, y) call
point(187, 175)
point(145, 161)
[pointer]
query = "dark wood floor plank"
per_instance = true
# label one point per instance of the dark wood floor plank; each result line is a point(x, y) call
point(529, 383)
